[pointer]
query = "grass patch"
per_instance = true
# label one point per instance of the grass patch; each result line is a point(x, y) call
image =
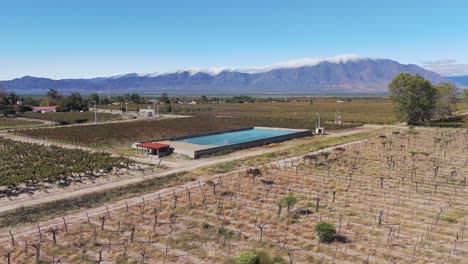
point(449, 219)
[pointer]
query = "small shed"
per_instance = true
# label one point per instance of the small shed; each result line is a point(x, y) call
point(146, 112)
point(154, 148)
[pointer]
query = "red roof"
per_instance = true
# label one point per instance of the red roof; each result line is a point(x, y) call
point(152, 145)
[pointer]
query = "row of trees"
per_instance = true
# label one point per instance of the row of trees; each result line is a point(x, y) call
point(418, 101)
point(166, 99)
point(8, 104)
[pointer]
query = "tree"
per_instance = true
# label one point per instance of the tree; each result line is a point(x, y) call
point(414, 98)
point(164, 98)
point(12, 98)
point(135, 98)
point(465, 95)
point(74, 102)
point(8, 98)
point(289, 201)
point(126, 98)
point(3, 97)
point(6, 110)
point(325, 231)
point(30, 101)
point(105, 101)
point(204, 99)
point(52, 93)
point(446, 99)
point(94, 97)
point(53, 96)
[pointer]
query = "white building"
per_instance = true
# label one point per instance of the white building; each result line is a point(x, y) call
point(146, 112)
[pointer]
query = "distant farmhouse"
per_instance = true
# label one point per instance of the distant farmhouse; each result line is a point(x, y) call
point(44, 109)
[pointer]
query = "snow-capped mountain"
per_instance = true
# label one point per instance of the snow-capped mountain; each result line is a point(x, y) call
point(341, 74)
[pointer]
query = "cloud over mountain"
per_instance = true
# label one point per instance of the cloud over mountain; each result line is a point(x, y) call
point(340, 74)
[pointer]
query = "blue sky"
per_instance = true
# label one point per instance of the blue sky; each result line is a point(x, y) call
point(69, 39)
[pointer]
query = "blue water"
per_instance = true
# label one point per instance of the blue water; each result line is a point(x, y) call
point(230, 138)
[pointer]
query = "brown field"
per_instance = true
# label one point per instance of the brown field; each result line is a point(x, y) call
point(394, 198)
point(376, 111)
point(105, 135)
point(357, 111)
point(10, 123)
point(72, 117)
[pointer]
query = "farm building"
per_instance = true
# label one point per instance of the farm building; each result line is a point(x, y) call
point(153, 148)
point(44, 109)
point(146, 112)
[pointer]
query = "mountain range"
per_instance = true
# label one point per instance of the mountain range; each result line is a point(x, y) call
point(332, 76)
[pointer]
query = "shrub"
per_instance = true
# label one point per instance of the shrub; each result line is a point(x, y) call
point(247, 257)
point(325, 231)
point(257, 257)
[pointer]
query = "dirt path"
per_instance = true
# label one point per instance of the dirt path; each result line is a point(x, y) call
point(45, 122)
point(174, 167)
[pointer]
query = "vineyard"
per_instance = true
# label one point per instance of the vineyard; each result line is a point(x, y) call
point(27, 167)
point(395, 198)
point(66, 118)
point(177, 108)
point(360, 111)
point(126, 133)
point(10, 123)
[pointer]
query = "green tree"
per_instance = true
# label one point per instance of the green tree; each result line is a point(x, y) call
point(3, 97)
point(94, 97)
point(31, 101)
point(289, 201)
point(164, 98)
point(203, 99)
point(53, 94)
point(127, 98)
point(135, 98)
point(446, 99)
point(414, 98)
point(105, 101)
point(465, 95)
point(74, 102)
point(12, 98)
point(52, 97)
point(325, 231)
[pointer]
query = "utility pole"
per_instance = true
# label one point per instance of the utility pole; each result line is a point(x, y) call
point(95, 112)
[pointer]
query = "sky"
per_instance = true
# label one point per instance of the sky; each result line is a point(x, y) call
point(77, 39)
